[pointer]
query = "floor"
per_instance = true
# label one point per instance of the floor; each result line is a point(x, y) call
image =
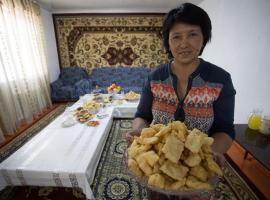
point(25, 126)
point(252, 170)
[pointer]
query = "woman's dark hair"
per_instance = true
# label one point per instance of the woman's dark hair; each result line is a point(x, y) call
point(190, 14)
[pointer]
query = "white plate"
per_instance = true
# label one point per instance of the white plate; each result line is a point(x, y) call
point(69, 122)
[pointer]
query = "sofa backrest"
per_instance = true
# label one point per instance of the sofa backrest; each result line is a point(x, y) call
point(123, 76)
point(70, 75)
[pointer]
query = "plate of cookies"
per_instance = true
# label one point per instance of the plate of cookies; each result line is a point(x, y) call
point(173, 160)
point(83, 115)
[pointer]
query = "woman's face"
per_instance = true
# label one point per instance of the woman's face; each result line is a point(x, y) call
point(185, 42)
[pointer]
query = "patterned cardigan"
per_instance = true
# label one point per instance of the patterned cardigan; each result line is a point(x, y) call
point(208, 104)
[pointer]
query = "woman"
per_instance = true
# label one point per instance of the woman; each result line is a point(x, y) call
point(188, 88)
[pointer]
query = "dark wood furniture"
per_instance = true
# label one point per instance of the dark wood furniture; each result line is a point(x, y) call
point(254, 143)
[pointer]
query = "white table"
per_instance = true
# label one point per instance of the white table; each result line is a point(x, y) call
point(63, 157)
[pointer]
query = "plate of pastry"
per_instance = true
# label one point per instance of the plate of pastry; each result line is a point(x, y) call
point(132, 96)
point(92, 123)
point(83, 115)
point(173, 160)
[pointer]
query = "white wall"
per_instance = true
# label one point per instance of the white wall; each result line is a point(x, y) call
point(241, 45)
point(52, 56)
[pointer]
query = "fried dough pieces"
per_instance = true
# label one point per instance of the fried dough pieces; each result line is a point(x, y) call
point(172, 157)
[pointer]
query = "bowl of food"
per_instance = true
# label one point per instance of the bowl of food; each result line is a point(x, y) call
point(173, 160)
point(113, 89)
point(92, 106)
point(132, 96)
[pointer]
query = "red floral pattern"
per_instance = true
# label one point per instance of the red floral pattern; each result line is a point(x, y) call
point(125, 56)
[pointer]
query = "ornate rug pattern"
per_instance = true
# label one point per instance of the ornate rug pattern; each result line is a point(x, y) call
point(91, 40)
point(112, 181)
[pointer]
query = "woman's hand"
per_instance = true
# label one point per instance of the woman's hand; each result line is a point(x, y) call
point(130, 135)
point(137, 125)
point(222, 142)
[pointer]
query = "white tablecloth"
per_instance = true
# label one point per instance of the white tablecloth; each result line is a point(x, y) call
point(60, 156)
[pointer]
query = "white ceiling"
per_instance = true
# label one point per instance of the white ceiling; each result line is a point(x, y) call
point(111, 6)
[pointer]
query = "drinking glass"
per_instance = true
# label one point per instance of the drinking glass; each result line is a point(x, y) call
point(255, 118)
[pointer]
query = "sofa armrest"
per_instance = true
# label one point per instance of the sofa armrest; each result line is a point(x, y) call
point(83, 86)
point(56, 84)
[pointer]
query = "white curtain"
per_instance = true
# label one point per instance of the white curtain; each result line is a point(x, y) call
point(24, 84)
point(1, 135)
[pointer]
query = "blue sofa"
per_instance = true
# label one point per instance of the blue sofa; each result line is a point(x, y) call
point(71, 84)
point(74, 82)
point(129, 78)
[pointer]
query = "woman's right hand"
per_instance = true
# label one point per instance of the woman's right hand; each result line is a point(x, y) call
point(130, 135)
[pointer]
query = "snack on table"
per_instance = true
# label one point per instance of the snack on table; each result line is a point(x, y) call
point(97, 97)
point(86, 112)
point(82, 115)
point(79, 109)
point(113, 88)
point(92, 106)
point(93, 123)
point(108, 99)
point(132, 96)
point(173, 158)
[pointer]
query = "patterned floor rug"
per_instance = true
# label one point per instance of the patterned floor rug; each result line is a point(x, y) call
point(113, 182)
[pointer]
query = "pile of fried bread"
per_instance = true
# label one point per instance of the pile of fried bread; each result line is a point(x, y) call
point(132, 96)
point(173, 158)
